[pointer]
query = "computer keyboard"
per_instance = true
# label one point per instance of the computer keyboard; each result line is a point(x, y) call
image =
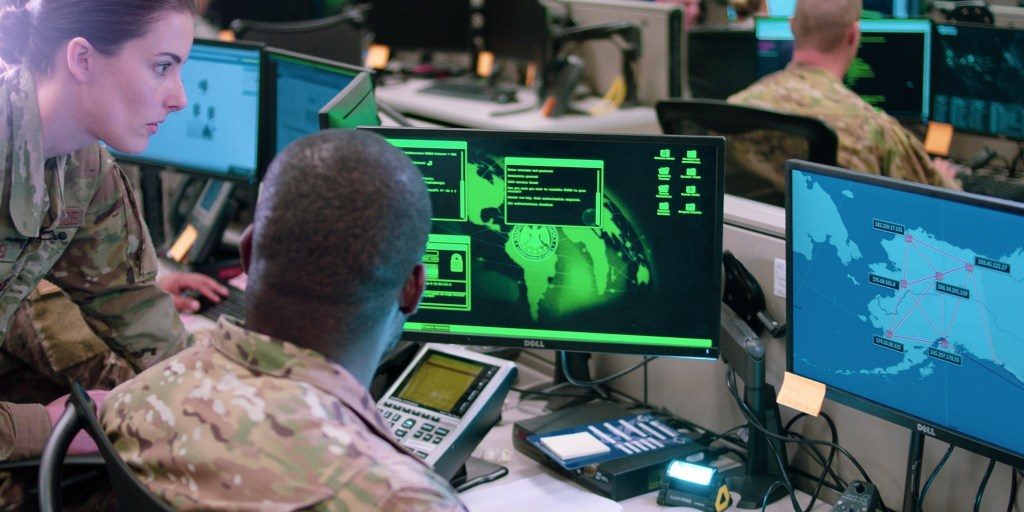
point(472, 90)
point(232, 305)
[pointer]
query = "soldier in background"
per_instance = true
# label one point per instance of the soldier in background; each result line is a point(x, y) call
point(826, 38)
point(276, 414)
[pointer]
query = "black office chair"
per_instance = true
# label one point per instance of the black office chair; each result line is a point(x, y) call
point(131, 494)
point(758, 142)
point(339, 38)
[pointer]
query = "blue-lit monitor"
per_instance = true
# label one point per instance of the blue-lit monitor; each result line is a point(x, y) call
point(218, 132)
point(978, 79)
point(872, 8)
point(586, 243)
point(891, 71)
point(302, 86)
point(905, 301)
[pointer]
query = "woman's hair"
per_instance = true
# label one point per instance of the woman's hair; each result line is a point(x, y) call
point(32, 32)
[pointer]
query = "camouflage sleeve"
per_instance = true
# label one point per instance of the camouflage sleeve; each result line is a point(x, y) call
point(402, 487)
point(905, 158)
point(109, 270)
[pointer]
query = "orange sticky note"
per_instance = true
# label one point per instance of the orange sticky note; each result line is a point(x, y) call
point(377, 56)
point(484, 64)
point(938, 139)
point(802, 394)
point(183, 244)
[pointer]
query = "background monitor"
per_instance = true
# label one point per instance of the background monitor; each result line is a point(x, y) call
point(302, 86)
point(354, 106)
point(722, 62)
point(977, 77)
point(872, 8)
point(595, 243)
point(218, 132)
point(904, 300)
point(891, 71)
point(517, 29)
point(421, 24)
point(661, 68)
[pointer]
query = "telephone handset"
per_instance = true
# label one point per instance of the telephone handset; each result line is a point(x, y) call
point(444, 403)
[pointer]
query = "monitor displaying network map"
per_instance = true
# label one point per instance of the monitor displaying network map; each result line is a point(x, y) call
point(905, 300)
point(609, 243)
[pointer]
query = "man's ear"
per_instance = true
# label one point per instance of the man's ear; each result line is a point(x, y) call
point(412, 290)
point(853, 35)
point(245, 248)
point(80, 55)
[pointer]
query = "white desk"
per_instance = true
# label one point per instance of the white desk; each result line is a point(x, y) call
point(407, 99)
point(499, 441)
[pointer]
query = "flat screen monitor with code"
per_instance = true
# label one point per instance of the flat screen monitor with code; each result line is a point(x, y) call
point(588, 243)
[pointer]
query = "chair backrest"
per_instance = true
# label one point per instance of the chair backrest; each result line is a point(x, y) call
point(339, 38)
point(758, 142)
point(131, 494)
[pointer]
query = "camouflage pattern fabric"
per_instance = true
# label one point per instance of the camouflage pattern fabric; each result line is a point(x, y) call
point(74, 220)
point(869, 140)
point(247, 422)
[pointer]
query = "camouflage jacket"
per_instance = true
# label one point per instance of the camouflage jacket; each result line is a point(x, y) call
point(247, 422)
point(869, 140)
point(73, 220)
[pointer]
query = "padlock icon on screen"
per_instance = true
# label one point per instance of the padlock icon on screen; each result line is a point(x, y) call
point(456, 264)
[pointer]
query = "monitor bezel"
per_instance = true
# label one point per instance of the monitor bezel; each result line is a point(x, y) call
point(323, 116)
point(373, 18)
point(935, 57)
point(861, 403)
point(261, 106)
point(269, 145)
point(568, 346)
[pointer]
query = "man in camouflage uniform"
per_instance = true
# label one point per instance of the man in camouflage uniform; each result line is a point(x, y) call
point(827, 35)
point(248, 420)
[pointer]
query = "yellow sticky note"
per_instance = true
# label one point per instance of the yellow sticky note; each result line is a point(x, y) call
point(183, 244)
point(802, 394)
point(938, 139)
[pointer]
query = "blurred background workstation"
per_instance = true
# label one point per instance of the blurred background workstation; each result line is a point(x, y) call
point(608, 291)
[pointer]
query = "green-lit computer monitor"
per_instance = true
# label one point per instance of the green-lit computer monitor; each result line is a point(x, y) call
point(354, 106)
point(587, 243)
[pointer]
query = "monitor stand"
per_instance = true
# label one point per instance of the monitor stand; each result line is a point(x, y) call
point(912, 486)
point(577, 364)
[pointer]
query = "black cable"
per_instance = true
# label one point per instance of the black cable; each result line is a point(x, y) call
point(731, 385)
point(543, 393)
point(983, 485)
point(646, 400)
point(1013, 490)
point(771, 488)
point(591, 383)
point(826, 464)
point(931, 478)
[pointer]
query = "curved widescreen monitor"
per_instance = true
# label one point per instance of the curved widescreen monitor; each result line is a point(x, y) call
point(905, 300)
point(976, 85)
point(596, 243)
point(218, 132)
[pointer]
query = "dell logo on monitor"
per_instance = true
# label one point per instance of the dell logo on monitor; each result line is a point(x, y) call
point(925, 429)
point(533, 343)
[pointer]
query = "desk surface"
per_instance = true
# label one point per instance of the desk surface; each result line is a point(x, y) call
point(407, 99)
point(498, 444)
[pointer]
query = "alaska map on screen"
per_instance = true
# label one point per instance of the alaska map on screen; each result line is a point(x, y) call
point(910, 301)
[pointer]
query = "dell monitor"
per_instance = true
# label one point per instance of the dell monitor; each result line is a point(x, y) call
point(354, 106)
point(722, 62)
point(976, 79)
point(891, 71)
point(586, 243)
point(904, 300)
point(442, 25)
point(218, 132)
point(302, 86)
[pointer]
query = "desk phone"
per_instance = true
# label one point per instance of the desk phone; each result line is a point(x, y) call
point(444, 403)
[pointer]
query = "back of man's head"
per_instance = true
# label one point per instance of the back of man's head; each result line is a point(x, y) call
point(341, 222)
point(823, 24)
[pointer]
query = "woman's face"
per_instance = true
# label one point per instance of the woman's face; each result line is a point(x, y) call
point(135, 89)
